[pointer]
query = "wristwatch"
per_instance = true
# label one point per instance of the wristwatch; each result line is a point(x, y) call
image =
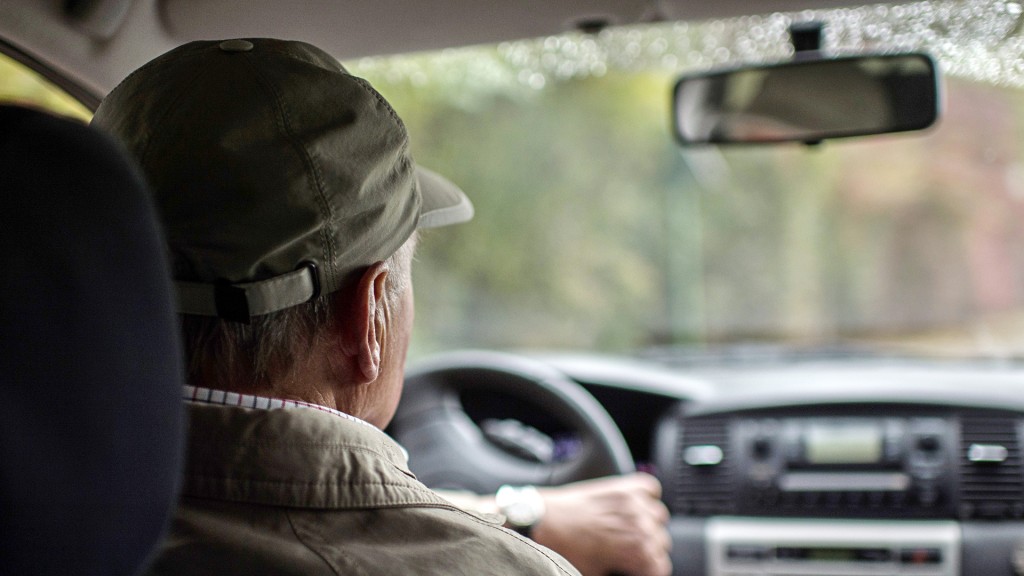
point(522, 506)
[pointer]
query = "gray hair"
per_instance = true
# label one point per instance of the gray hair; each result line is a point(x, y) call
point(251, 357)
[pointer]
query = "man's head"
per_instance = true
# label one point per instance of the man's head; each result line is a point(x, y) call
point(282, 182)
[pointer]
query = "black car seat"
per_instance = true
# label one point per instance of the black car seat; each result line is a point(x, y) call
point(91, 422)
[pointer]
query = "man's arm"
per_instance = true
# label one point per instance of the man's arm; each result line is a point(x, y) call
point(608, 525)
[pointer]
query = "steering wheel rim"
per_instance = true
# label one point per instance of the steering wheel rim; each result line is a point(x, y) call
point(448, 450)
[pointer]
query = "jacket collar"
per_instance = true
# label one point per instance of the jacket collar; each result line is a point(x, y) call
point(298, 458)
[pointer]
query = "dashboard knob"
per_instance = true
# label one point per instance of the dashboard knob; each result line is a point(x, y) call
point(761, 448)
point(928, 443)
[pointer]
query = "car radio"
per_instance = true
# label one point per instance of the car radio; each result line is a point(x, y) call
point(856, 465)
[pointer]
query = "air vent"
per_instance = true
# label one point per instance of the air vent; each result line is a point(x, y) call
point(991, 480)
point(704, 485)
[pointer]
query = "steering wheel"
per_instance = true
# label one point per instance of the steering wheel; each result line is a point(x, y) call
point(449, 450)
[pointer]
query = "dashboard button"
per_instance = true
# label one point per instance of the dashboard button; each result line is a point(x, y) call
point(920, 556)
point(748, 553)
point(761, 448)
point(928, 443)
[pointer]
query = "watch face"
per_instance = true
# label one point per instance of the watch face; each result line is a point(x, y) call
point(522, 506)
point(521, 514)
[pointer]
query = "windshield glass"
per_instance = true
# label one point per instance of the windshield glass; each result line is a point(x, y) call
point(595, 231)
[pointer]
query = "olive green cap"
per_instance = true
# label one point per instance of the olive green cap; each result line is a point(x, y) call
point(277, 174)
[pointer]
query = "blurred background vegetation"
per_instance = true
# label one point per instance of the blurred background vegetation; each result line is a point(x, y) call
point(595, 231)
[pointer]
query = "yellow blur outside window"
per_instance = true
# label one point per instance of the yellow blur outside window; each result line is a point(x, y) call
point(23, 86)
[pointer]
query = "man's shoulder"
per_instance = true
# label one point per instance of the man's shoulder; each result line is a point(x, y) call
point(314, 490)
point(225, 538)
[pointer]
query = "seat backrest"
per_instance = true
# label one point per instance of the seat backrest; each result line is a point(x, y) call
point(91, 421)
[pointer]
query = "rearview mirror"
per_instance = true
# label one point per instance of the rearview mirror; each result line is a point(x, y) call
point(807, 100)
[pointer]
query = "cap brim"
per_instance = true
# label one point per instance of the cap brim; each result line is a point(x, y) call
point(443, 202)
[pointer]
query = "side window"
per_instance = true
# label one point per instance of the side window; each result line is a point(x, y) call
point(22, 85)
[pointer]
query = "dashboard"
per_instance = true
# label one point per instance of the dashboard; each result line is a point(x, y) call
point(842, 467)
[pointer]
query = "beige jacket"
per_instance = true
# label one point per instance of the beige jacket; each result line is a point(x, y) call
point(304, 492)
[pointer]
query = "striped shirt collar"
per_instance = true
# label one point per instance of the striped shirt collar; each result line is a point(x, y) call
point(220, 397)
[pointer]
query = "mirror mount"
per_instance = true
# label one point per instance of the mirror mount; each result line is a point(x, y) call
point(806, 39)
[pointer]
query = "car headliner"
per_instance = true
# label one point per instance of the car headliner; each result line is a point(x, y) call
point(90, 45)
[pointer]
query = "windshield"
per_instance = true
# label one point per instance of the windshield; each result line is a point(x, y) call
point(595, 231)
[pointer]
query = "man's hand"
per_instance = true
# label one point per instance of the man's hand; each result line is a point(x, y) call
point(608, 525)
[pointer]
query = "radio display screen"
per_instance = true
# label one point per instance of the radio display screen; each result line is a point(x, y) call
point(814, 554)
point(843, 443)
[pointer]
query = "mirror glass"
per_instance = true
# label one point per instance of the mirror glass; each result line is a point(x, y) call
point(807, 100)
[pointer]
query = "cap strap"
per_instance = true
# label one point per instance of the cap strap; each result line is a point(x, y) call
point(240, 302)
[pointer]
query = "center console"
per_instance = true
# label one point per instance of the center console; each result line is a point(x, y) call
point(851, 490)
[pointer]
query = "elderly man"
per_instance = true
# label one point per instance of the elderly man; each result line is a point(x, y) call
point(291, 205)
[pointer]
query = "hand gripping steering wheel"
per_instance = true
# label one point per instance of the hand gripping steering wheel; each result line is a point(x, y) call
point(449, 450)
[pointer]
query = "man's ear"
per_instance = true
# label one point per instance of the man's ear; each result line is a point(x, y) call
point(364, 330)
